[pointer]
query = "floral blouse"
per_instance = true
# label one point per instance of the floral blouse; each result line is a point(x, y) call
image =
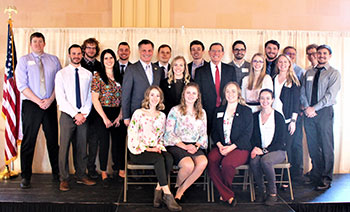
point(185, 128)
point(145, 131)
point(110, 95)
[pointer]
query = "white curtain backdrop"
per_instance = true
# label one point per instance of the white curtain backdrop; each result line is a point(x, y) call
point(59, 39)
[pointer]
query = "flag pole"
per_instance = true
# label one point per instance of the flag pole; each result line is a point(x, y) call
point(9, 172)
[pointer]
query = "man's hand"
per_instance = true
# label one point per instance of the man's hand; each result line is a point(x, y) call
point(79, 119)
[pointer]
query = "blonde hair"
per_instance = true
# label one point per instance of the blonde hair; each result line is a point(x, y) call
point(187, 76)
point(198, 109)
point(251, 75)
point(145, 101)
point(239, 93)
point(290, 78)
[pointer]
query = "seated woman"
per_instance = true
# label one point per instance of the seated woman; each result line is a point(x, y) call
point(186, 136)
point(145, 135)
point(172, 86)
point(255, 81)
point(232, 129)
point(268, 141)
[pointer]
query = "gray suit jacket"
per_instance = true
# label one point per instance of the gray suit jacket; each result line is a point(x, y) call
point(135, 83)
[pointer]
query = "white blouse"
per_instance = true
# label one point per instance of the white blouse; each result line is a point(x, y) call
point(267, 130)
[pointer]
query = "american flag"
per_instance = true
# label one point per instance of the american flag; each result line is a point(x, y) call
point(11, 103)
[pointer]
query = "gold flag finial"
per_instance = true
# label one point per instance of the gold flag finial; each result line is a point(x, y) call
point(9, 10)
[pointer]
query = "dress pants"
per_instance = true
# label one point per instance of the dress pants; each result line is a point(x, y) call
point(296, 157)
point(222, 169)
point(263, 164)
point(163, 164)
point(70, 130)
point(319, 134)
point(32, 117)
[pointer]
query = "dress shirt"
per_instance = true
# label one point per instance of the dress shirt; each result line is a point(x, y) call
point(299, 71)
point(328, 86)
point(125, 65)
point(195, 66)
point(267, 130)
point(28, 73)
point(65, 87)
point(165, 69)
point(213, 70)
point(144, 65)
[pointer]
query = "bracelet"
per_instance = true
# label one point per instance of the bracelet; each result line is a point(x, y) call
point(293, 120)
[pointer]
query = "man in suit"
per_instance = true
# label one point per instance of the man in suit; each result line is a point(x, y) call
point(137, 78)
point(212, 79)
point(239, 63)
point(123, 55)
point(164, 54)
point(197, 51)
point(271, 51)
point(91, 50)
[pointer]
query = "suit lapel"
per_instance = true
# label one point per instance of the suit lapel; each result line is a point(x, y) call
point(156, 75)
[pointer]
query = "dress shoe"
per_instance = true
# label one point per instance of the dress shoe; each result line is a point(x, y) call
point(106, 183)
point(323, 186)
point(271, 200)
point(170, 202)
point(93, 174)
point(25, 183)
point(233, 202)
point(86, 181)
point(64, 186)
point(157, 200)
point(55, 177)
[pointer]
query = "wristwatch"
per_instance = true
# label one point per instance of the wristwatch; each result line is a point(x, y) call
point(264, 150)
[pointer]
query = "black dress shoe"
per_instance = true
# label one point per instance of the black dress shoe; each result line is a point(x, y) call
point(233, 203)
point(323, 186)
point(25, 183)
point(55, 177)
point(93, 174)
point(106, 183)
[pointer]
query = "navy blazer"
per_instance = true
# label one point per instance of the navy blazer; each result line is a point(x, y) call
point(206, 84)
point(190, 67)
point(279, 137)
point(242, 127)
point(290, 97)
point(135, 83)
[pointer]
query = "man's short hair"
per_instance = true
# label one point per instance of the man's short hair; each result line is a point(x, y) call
point(311, 46)
point(289, 47)
point(197, 42)
point(164, 46)
point(74, 46)
point(216, 44)
point(324, 46)
point(123, 44)
point(37, 35)
point(238, 42)
point(91, 41)
point(145, 42)
point(274, 42)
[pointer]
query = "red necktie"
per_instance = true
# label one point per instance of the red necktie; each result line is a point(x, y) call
point(217, 86)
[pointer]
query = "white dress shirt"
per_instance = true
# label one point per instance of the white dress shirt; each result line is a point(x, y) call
point(65, 90)
point(213, 70)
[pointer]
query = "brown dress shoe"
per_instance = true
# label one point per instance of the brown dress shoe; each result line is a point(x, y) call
point(157, 201)
point(170, 202)
point(64, 186)
point(86, 181)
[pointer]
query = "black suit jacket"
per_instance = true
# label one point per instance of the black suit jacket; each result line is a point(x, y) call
point(190, 67)
point(273, 68)
point(206, 83)
point(118, 65)
point(242, 127)
point(279, 137)
point(163, 76)
point(96, 67)
point(135, 83)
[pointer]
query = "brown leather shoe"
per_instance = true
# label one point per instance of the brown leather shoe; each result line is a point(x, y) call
point(64, 186)
point(170, 202)
point(157, 201)
point(86, 181)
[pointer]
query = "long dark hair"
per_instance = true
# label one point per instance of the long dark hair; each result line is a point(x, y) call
point(116, 72)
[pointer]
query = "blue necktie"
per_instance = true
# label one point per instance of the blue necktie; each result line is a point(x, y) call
point(77, 89)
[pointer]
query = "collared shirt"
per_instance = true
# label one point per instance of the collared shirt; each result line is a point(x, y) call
point(125, 65)
point(267, 130)
point(242, 70)
point(87, 61)
point(213, 70)
point(299, 71)
point(65, 90)
point(165, 69)
point(328, 86)
point(195, 66)
point(28, 73)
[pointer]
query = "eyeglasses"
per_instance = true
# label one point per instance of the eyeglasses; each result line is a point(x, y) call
point(291, 54)
point(239, 50)
point(258, 61)
point(313, 53)
point(92, 48)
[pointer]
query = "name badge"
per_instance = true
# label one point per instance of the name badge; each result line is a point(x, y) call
point(30, 63)
point(245, 70)
point(310, 78)
point(220, 115)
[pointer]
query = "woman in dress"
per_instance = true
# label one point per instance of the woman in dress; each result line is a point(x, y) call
point(172, 86)
point(286, 89)
point(186, 138)
point(255, 81)
point(232, 129)
point(106, 98)
point(268, 141)
point(145, 143)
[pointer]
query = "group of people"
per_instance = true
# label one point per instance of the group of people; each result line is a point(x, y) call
point(197, 115)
